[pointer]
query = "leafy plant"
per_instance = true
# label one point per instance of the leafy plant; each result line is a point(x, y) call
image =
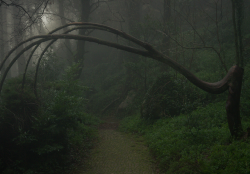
point(55, 130)
point(196, 142)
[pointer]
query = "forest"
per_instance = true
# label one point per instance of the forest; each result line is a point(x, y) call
point(124, 86)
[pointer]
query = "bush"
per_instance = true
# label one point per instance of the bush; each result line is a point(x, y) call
point(170, 96)
point(134, 124)
point(198, 142)
point(55, 131)
point(18, 108)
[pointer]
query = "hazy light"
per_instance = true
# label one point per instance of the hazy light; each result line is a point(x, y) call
point(45, 20)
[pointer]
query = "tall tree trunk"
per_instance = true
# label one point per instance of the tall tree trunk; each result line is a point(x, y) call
point(166, 25)
point(79, 57)
point(18, 35)
point(133, 12)
point(134, 17)
point(1, 37)
point(237, 15)
point(63, 22)
point(166, 22)
point(6, 47)
point(233, 103)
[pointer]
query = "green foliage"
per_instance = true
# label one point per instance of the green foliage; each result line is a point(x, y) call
point(198, 142)
point(233, 158)
point(55, 131)
point(51, 67)
point(16, 111)
point(169, 96)
point(105, 82)
point(134, 124)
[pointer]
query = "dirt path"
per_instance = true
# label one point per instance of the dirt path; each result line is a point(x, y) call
point(118, 153)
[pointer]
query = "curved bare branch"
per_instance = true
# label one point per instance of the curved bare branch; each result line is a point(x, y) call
point(27, 64)
point(87, 26)
point(41, 56)
point(76, 37)
point(15, 58)
point(108, 29)
point(216, 88)
point(32, 52)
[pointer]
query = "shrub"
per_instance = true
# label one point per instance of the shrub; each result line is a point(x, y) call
point(55, 131)
point(197, 142)
point(170, 96)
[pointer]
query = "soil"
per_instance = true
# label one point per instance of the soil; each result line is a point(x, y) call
point(119, 153)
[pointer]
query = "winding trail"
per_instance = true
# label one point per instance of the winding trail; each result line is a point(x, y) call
point(119, 153)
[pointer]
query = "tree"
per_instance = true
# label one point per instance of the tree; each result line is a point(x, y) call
point(232, 81)
point(133, 16)
point(166, 22)
point(79, 57)
point(19, 34)
point(63, 22)
point(17, 17)
point(4, 36)
point(237, 15)
point(85, 9)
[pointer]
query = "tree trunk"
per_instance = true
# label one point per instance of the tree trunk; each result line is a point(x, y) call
point(233, 103)
point(18, 32)
point(133, 14)
point(4, 28)
point(1, 36)
point(63, 22)
point(166, 24)
point(79, 58)
point(133, 17)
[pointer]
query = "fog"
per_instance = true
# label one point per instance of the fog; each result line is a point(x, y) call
point(174, 73)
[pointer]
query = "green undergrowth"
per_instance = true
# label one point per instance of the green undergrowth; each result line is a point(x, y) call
point(198, 142)
point(49, 134)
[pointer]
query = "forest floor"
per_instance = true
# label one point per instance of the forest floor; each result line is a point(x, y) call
point(119, 153)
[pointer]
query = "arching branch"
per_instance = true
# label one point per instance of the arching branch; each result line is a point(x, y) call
point(231, 81)
point(31, 54)
point(44, 51)
point(27, 64)
point(87, 26)
point(76, 37)
point(149, 51)
point(217, 87)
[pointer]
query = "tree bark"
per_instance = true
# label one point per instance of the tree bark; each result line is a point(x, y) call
point(233, 102)
point(5, 46)
point(166, 23)
point(18, 32)
point(63, 22)
point(133, 14)
point(79, 58)
point(1, 37)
